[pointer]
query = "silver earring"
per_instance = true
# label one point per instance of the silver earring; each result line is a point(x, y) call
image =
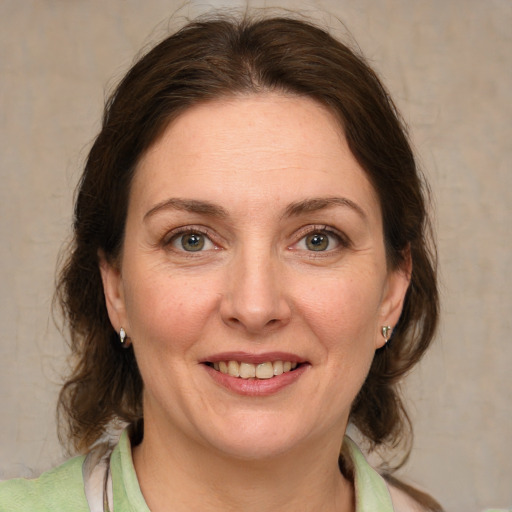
point(122, 336)
point(386, 332)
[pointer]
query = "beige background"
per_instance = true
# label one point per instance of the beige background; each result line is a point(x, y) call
point(448, 64)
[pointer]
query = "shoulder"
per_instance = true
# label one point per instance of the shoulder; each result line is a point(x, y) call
point(403, 502)
point(60, 489)
point(375, 491)
point(407, 498)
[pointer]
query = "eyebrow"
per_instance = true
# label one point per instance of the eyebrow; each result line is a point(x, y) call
point(188, 205)
point(293, 210)
point(320, 203)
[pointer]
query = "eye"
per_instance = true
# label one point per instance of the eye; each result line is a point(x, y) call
point(192, 241)
point(319, 241)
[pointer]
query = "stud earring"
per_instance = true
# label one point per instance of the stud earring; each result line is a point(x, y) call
point(386, 332)
point(123, 338)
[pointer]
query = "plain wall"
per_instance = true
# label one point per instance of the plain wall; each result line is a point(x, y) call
point(448, 64)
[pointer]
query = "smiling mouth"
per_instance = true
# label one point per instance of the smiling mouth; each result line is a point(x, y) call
point(243, 370)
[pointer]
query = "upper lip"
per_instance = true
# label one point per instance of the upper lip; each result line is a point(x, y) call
point(248, 357)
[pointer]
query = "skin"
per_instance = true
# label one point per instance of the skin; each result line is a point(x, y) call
point(257, 287)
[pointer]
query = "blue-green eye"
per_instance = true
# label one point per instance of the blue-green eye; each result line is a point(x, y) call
point(319, 241)
point(192, 241)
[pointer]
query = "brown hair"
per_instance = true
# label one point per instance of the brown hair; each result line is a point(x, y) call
point(208, 59)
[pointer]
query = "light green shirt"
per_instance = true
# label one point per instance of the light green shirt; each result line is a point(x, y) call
point(62, 490)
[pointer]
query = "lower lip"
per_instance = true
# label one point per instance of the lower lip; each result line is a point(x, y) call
point(256, 387)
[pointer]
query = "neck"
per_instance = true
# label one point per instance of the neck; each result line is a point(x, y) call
point(192, 477)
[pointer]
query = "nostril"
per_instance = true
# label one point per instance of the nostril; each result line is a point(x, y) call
point(254, 317)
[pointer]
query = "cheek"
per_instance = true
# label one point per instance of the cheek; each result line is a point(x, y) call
point(342, 310)
point(168, 310)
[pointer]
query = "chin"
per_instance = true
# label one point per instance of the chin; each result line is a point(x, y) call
point(258, 439)
point(255, 448)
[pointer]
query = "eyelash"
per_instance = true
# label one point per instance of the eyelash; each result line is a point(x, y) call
point(341, 239)
point(188, 230)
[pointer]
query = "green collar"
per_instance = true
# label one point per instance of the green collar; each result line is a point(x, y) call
point(370, 488)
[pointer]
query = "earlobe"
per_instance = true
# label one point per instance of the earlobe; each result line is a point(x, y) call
point(396, 289)
point(113, 290)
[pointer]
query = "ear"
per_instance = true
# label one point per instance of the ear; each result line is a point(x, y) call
point(114, 294)
point(397, 284)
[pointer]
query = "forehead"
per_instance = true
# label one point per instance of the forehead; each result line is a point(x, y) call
point(258, 147)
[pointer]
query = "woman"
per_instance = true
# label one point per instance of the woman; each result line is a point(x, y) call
point(251, 272)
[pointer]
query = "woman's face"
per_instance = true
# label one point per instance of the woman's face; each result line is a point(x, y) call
point(253, 244)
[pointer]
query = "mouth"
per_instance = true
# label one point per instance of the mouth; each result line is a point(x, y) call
point(247, 370)
point(256, 375)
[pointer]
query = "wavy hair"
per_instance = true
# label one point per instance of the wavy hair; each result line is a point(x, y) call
point(214, 58)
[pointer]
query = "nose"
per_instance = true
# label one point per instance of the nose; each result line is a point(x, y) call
point(254, 300)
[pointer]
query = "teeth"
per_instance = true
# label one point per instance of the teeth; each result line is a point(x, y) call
point(265, 371)
point(278, 368)
point(233, 369)
point(249, 371)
